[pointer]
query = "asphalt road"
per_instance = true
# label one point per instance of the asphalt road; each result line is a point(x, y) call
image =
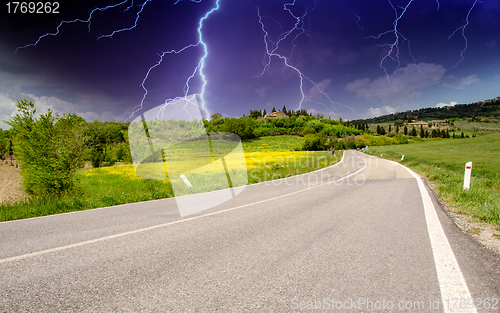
point(360, 236)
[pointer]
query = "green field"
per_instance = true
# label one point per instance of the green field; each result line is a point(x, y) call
point(274, 143)
point(267, 158)
point(476, 126)
point(443, 162)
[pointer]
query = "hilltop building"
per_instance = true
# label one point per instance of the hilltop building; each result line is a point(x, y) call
point(279, 114)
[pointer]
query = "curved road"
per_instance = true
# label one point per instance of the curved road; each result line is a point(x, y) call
point(364, 235)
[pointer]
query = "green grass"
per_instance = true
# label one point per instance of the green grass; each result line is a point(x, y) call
point(476, 126)
point(443, 162)
point(267, 158)
point(274, 143)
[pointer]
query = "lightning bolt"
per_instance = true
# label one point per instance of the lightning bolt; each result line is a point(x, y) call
point(399, 40)
point(127, 28)
point(272, 47)
point(357, 22)
point(88, 21)
point(463, 33)
point(198, 69)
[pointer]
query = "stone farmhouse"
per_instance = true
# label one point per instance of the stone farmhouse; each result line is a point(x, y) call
point(278, 114)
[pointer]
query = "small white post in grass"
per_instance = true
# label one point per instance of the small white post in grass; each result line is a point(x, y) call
point(468, 171)
point(186, 181)
point(403, 157)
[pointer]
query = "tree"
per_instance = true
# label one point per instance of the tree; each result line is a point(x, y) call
point(378, 129)
point(389, 128)
point(264, 113)
point(11, 151)
point(284, 109)
point(255, 114)
point(49, 148)
point(406, 130)
point(397, 128)
point(382, 130)
point(312, 143)
point(215, 116)
point(274, 110)
point(414, 131)
point(422, 133)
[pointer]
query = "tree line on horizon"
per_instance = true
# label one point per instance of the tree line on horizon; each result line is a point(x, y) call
point(489, 110)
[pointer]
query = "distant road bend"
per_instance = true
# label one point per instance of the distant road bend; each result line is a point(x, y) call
point(365, 235)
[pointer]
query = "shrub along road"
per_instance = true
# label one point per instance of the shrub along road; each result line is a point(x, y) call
point(364, 232)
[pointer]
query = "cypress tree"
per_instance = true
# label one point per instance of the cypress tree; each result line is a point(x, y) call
point(11, 151)
point(414, 131)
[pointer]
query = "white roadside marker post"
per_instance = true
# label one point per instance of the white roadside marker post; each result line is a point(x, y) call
point(467, 174)
point(186, 181)
point(403, 157)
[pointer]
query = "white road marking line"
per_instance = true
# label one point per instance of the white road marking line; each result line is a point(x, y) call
point(451, 280)
point(83, 243)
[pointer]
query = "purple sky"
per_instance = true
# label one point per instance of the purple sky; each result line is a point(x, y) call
point(340, 51)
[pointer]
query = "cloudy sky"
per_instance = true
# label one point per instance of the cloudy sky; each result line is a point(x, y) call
point(351, 59)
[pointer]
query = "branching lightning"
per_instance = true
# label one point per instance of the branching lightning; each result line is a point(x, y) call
point(272, 47)
point(399, 40)
point(463, 33)
point(394, 48)
point(127, 28)
point(198, 69)
point(87, 21)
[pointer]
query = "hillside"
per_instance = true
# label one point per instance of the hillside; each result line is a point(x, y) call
point(488, 109)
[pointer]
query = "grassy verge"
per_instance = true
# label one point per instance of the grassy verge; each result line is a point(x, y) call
point(267, 158)
point(443, 163)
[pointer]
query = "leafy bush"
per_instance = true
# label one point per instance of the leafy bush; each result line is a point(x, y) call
point(313, 143)
point(50, 149)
